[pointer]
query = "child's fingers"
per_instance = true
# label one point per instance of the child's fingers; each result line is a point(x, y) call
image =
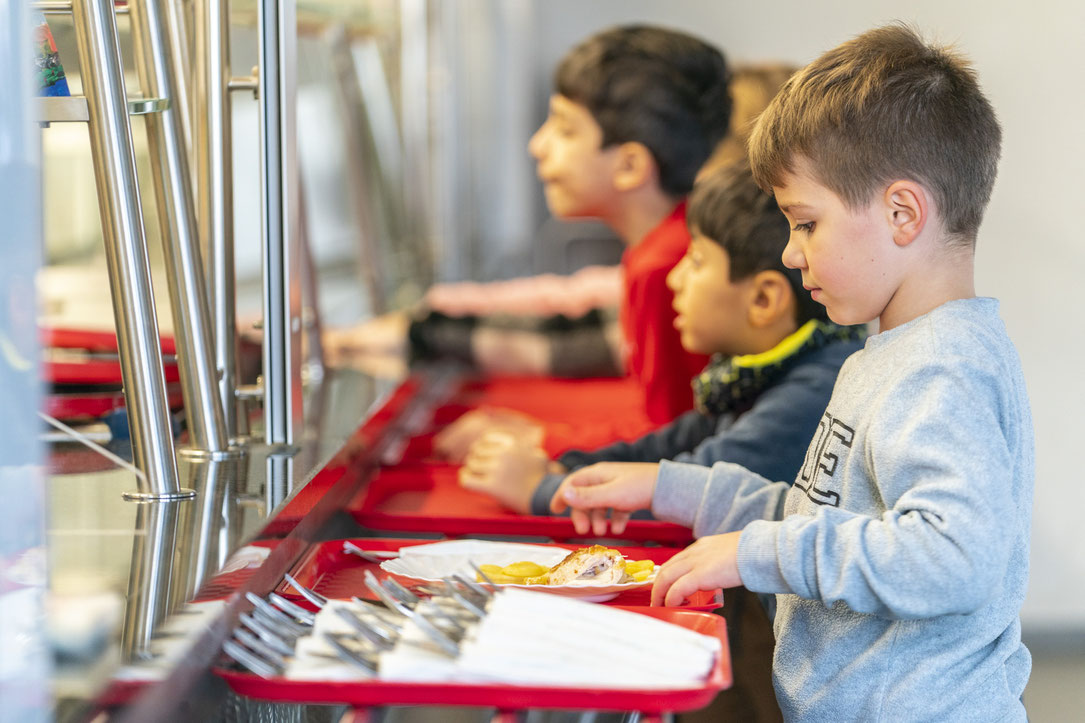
point(599, 522)
point(682, 588)
point(618, 521)
point(471, 480)
point(581, 520)
point(668, 573)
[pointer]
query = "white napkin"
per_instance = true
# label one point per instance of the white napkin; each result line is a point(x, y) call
point(538, 639)
point(532, 638)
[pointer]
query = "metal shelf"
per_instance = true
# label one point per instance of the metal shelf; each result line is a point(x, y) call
point(73, 109)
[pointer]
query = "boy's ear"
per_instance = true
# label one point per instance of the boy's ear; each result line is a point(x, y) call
point(907, 206)
point(771, 298)
point(635, 165)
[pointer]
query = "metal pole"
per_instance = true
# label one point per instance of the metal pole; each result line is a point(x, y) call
point(214, 188)
point(370, 258)
point(277, 27)
point(418, 146)
point(126, 246)
point(176, 22)
point(191, 317)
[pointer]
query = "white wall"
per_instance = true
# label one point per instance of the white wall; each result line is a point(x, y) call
point(1028, 55)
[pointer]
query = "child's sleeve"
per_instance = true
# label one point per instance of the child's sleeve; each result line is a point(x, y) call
point(938, 452)
point(723, 498)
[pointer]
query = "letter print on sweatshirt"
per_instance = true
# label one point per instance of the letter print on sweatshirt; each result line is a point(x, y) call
point(823, 457)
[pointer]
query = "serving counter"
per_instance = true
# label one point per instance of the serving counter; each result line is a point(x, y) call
point(224, 551)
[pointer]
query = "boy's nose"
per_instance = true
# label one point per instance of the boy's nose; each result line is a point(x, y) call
point(792, 256)
point(674, 278)
point(535, 144)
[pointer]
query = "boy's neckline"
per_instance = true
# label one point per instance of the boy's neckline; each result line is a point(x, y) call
point(879, 337)
point(676, 211)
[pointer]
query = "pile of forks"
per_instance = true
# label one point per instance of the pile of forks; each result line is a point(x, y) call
point(277, 633)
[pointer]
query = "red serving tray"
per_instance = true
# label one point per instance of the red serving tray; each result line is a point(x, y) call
point(429, 498)
point(554, 399)
point(96, 371)
point(76, 405)
point(502, 696)
point(94, 341)
point(577, 413)
point(333, 573)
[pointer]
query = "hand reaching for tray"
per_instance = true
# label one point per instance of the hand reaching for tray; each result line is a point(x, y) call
point(710, 563)
point(454, 441)
point(617, 488)
point(506, 467)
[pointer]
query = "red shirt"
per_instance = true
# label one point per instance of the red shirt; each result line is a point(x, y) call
point(653, 348)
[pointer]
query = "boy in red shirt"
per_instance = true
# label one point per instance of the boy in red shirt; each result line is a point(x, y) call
point(636, 111)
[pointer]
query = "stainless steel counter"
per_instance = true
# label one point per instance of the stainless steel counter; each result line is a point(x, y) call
point(118, 568)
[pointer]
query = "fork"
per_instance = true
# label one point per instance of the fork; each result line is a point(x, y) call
point(314, 597)
point(249, 660)
point(368, 555)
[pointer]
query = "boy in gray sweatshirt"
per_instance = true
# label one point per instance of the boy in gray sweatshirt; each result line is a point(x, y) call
point(899, 557)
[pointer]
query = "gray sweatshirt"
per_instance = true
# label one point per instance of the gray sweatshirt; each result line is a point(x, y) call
point(900, 554)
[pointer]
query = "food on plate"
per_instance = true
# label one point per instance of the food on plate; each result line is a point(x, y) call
point(596, 565)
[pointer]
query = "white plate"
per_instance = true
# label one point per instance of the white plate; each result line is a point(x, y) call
point(432, 563)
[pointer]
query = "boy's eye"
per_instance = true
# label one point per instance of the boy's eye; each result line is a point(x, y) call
point(807, 227)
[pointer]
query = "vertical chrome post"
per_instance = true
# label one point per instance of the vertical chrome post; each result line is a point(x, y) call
point(415, 113)
point(277, 28)
point(177, 26)
point(370, 258)
point(191, 318)
point(214, 189)
point(126, 246)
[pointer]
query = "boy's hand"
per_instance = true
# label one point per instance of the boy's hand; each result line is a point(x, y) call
point(506, 468)
point(707, 564)
point(620, 487)
point(454, 441)
point(384, 335)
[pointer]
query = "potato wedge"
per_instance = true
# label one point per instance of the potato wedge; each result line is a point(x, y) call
point(524, 569)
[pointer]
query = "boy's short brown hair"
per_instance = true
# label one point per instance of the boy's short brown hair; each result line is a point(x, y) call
point(660, 87)
point(727, 207)
point(881, 107)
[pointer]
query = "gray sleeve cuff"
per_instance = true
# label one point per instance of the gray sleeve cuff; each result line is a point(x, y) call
point(758, 562)
point(678, 493)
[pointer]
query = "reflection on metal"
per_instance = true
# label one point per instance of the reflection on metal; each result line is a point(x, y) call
point(73, 108)
point(212, 534)
point(149, 583)
point(277, 30)
point(280, 478)
point(173, 189)
point(125, 245)
point(312, 346)
point(214, 189)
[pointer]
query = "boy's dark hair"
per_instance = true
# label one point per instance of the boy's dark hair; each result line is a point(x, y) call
point(728, 207)
point(662, 88)
point(880, 107)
